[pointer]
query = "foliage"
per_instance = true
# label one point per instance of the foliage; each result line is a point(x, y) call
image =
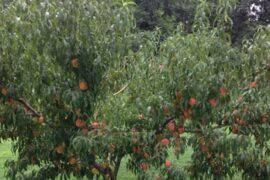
point(54, 55)
point(241, 14)
point(81, 89)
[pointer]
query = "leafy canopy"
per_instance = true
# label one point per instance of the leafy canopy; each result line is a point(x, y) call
point(81, 88)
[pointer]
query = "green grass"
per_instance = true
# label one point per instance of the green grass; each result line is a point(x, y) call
point(5, 154)
point(123, 174)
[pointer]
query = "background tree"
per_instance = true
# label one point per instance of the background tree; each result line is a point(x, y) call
point(246, 15)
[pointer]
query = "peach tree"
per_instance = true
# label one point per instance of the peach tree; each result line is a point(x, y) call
point(81, 89)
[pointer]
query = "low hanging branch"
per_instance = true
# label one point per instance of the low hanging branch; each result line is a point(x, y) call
point(23, 102)
point(171, 119)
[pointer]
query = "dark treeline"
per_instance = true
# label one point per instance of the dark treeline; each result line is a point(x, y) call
point(166, 14)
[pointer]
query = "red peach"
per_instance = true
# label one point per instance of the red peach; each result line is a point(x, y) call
point(95, 124)
point(165, 141)
point(192, 101)
point(167, 163)
point(213, 102)
point(222, 91)
point(144, 166)
point(253, 84)
point(79, 123)
point(170, 126)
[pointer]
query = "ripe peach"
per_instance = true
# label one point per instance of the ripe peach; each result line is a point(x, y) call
point(253, 84)
point(171, 126)
point(75, 62)
point(144, 166)
point(192, 101)
point(165, 141)
point(222, 91)
point(95, 125)
point(83, 85)
point(167, 163)
point(79, 123)
point(213, 102)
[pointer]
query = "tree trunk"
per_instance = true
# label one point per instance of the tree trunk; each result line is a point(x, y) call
point(167, 9)
point(116, 168)
point(112, 175)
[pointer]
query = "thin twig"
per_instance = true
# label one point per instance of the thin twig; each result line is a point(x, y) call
point(164, 125)
point(121, 90)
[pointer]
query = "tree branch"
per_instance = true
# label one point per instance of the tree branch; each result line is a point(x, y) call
point(29, 107)
point(161, 128)
point(24, 103)
point(104, 172)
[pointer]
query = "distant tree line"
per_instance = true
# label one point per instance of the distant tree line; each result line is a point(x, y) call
point(167, 14)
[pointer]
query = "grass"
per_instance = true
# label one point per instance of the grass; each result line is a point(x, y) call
point(123, 174)
point(5, 154)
